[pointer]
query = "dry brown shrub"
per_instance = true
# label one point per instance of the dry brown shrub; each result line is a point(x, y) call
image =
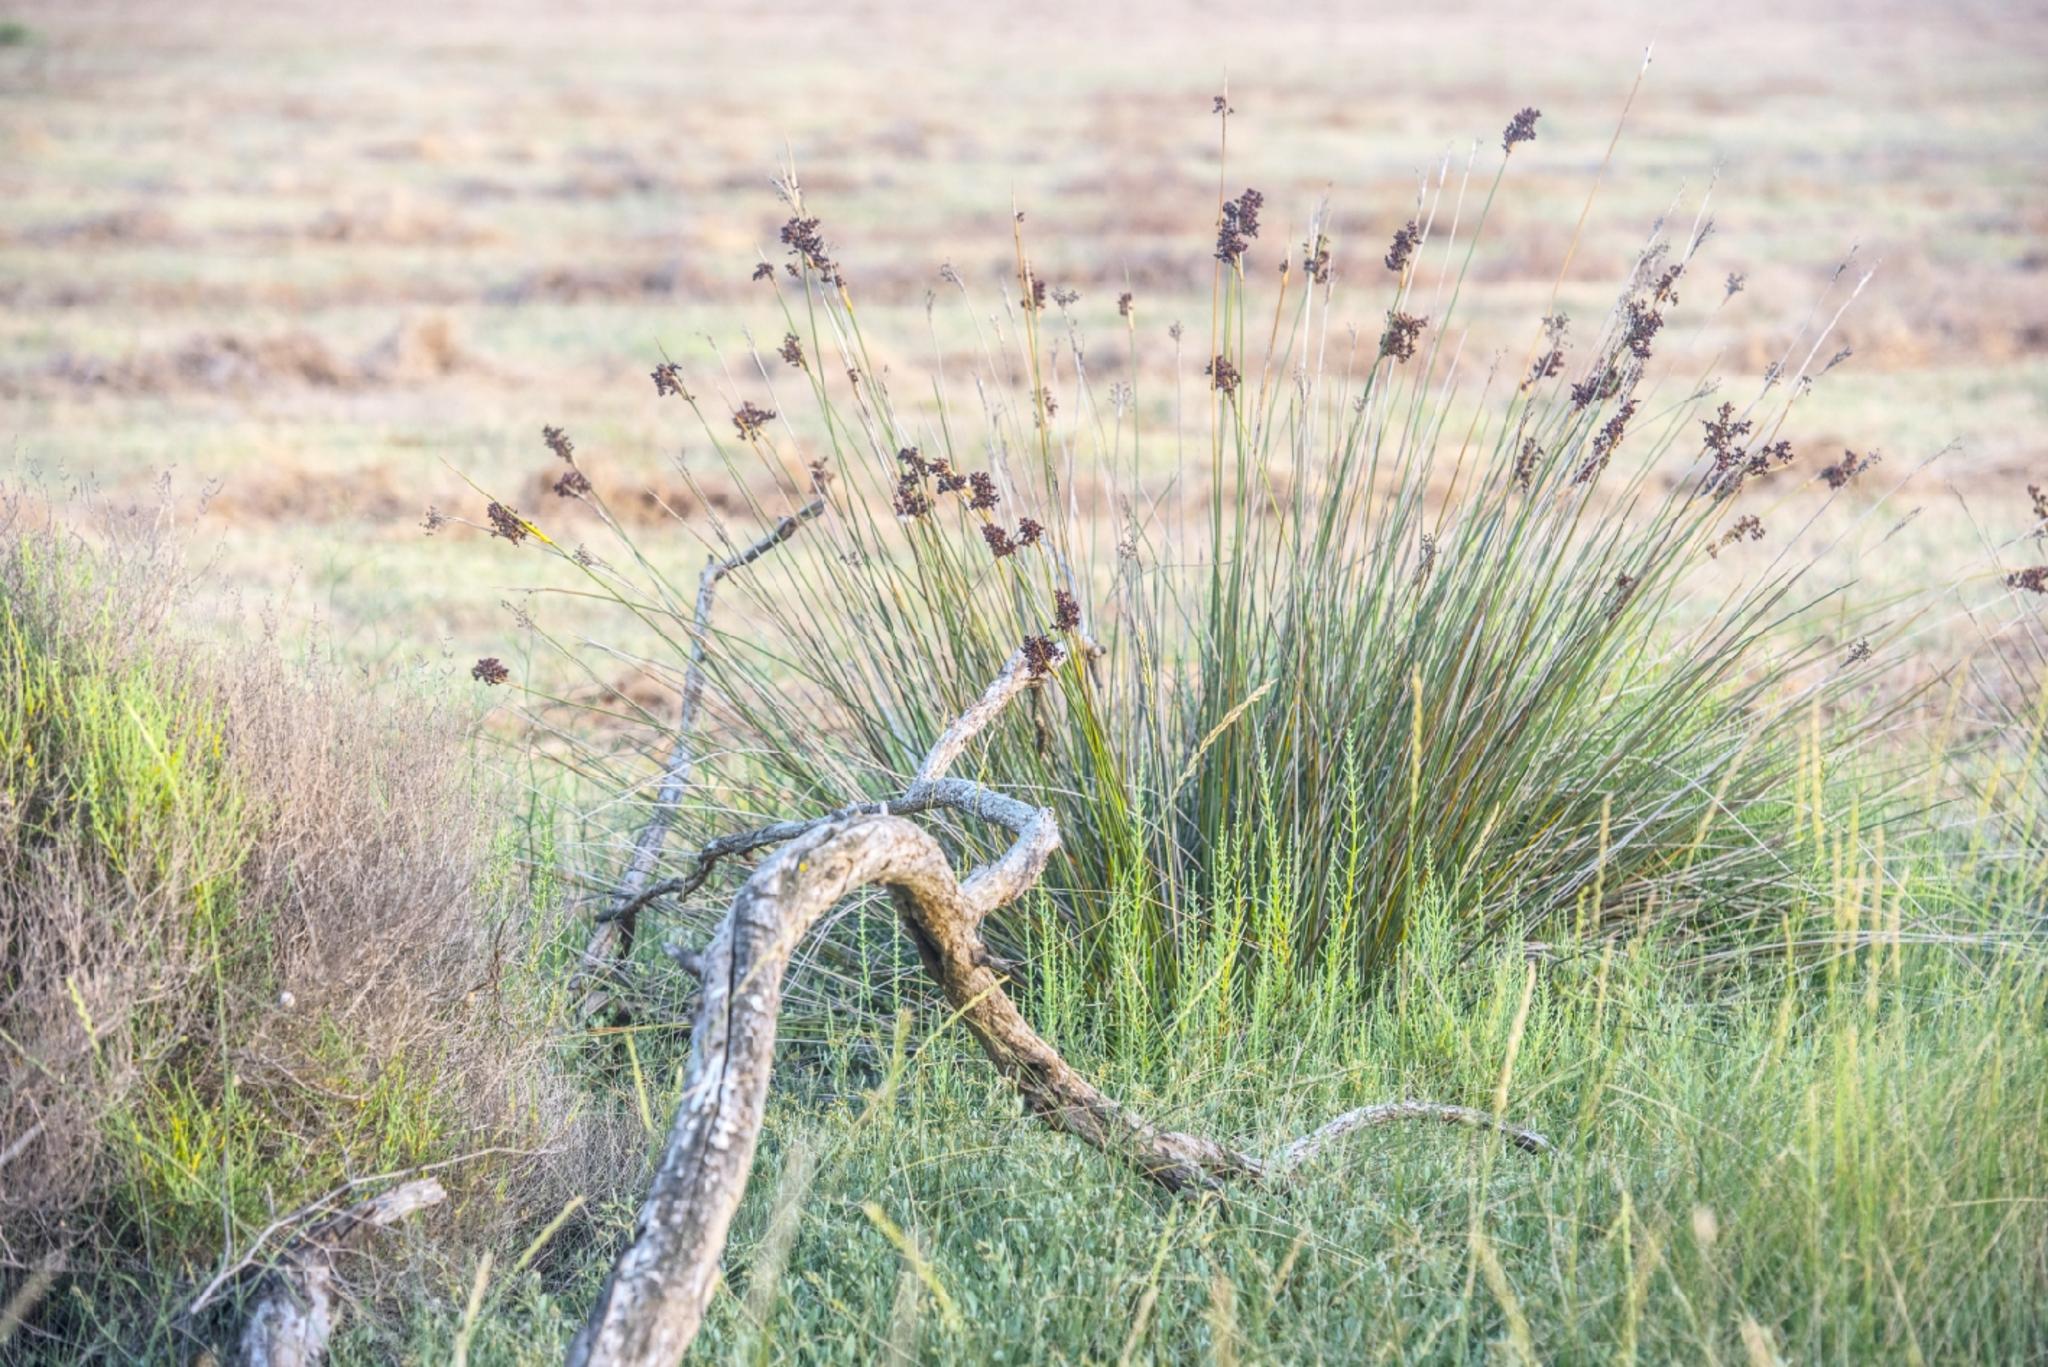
point(312, 914)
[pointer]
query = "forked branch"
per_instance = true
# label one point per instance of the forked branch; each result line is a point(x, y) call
point(653, 1303)
point(612, 938)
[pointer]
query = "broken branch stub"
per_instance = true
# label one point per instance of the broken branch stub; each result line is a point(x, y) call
point(653, 1303)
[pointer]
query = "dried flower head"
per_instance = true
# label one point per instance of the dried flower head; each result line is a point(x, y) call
point(911, 501)
point(1847, 468)
point(434, 521)
point(1526, 460)
point(572, 484)
point(1041, 655)
point(1030, 531)
point(1733, 285)
point(1425, 557)
point(1222, 106)
point(1034, 294)
point(1665, 291)
point(951, 481)
point(1403, 249)
point(1403, 330)
point(1124, 303)
point(1604, 383)
point(1725, 432)
point(764, 271)
point(1618, 596)
point(1174, 330)
point(749, 418)
point(1546, 365)
point(1521, 128)
point(983, 486)
point(805, 243)
point(1065, 297)
point(1859, 652)
point(668, 379)
point(1749, 526)
point(913, 462)
point(1605, 440)
point(998, 538)
point(793, 350)
point(2034, 492)
point(1643, 323)
point(2033, 579)
point(558, 441)
point(1222, 374)
point(489, 670)
point(1238, 225)
point(1315, 258)
point(506, 523)
point(1066, 611)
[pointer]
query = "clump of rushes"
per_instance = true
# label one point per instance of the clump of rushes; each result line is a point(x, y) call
point(1261, 664)
point(1520, 129)
point(749, 418)
point(490, 670)
point(1404, 330)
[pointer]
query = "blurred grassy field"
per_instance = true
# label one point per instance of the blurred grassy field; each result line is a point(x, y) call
point(307, 258)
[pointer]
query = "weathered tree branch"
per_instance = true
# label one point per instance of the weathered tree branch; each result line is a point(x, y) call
point(612, 938)
point(652, 1305)
point(297, 1306)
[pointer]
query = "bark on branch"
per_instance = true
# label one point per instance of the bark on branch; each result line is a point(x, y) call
point(653, 1303)
point(298, 1304)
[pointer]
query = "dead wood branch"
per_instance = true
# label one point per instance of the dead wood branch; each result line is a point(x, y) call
point(652, 1304)
point(612, 938)
point(297, 1306)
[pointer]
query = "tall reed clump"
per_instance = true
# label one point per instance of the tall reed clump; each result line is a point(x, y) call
point(254, 945)
point(1340, 612)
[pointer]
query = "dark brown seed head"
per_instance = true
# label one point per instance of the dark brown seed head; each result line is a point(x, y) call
point(1403, 330)
point(489, 670)
point(1733, 286)
point(2033, 580)
point(1851, 465)
point(668, 379)
point(983, 486)
point(749, 419)
point(792, 350)
point(1315, 258)
point(1222, 374)
point(1034, 294)
point(764, 271)
point(572, 484)
point(998, 538)
point(558, 441)
point(1123, 304)
point(1066, 611)
point(1041, 655)
point(1525, 461)
point(805, 243)
point(1403, 249)
point(1030, 531)
point(506, 523)
point(911, 500)
point(1238, 225)
point(913, 462)
point(1521, 128)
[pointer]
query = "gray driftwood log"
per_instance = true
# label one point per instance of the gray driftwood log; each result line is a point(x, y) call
point(653, 1303)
